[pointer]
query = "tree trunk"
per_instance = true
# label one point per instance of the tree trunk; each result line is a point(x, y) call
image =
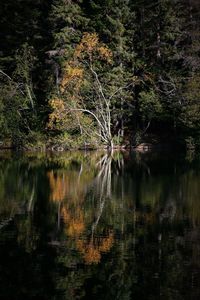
point(110, 145)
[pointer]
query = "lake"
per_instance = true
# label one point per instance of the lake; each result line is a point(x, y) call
point(90, 225)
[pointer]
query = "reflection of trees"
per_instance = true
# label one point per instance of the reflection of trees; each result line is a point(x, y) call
point(117, 226)
point(102, 185)
point(74, 221)
point(58, 184)
point(93, 249)
point(17, 188)
point(69, 189)
point(190, 192)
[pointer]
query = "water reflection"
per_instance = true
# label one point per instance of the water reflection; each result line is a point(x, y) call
point(77, 220)
point(94, 225)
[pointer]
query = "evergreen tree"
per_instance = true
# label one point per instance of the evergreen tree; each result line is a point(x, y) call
point(67, 26)
point(114, 22)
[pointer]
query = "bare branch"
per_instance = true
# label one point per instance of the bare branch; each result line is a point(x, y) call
point(169, 86)
point(96, 118)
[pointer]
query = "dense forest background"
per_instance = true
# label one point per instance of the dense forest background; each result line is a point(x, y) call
point(80, 73)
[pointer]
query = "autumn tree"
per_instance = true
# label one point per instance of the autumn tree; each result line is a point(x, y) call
point(85, 88)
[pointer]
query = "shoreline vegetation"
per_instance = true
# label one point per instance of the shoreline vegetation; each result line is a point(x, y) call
point(142, 148)
point(100, 74)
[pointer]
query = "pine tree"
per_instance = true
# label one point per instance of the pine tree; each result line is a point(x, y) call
point(23, 43)
point(67, 26)
point(114, 22)
point(159, 37)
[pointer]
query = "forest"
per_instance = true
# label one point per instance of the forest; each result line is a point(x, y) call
point(99, 73)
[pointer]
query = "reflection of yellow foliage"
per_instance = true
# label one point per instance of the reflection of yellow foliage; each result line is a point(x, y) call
point(107, 243)
point(58, 185)
point(68, 187)
point(74, 223)
point(92, 255)
point(65, 214)
point(76, 227)
point(92, 251)
point(69, 184)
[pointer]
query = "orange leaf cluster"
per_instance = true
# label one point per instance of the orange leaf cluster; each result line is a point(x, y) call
point(75, 223)
point(92, 252)
point(58, 186)
point(107, 243)
point(90, 45)
point(72, 75)
point(58, 107)
point(76, 227)
point(105, 53)
point(57, 104)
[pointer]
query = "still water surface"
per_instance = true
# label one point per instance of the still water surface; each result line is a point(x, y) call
point(94, 226)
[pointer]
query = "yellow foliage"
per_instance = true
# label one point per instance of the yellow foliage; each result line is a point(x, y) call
point(72, 75)
point(105, 53)
point(90, 45)
point(57, 103)
point(58, 107)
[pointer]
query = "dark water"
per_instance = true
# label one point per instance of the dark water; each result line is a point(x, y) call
point(91, 226)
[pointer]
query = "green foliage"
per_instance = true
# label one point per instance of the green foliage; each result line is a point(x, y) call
point(191, 109)
point(149, 105)
point(17, 99)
